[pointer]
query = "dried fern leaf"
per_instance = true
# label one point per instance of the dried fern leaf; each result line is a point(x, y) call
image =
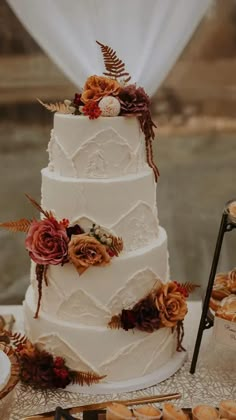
point(17, 339)
point(57, 107)
point(21, 225)
point(38, 207)
point(190, 287)
point(86, 378)
point(115, 322)
point(115, 68)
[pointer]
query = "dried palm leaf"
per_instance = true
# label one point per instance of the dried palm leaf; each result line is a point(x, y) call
point(21, 225)
point(60, 107)
point(115, 68)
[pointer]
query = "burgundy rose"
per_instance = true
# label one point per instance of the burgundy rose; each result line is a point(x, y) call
point(147, 315)
point(47, 242)
point(128, 319)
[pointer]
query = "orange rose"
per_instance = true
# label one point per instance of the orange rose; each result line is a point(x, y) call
point(98, 86)
point(171, 304)
point(85, 250)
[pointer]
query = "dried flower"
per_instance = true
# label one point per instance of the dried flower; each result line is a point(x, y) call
point(171, 304)
point(85, 251)
point(92, 110)
point(98, 86)
point(133, 100)
point(74, 230)
point(38, 369)
point(77, 100)
point(47, 242)
point(147, 315)
point(128, 319)
point(110, 106)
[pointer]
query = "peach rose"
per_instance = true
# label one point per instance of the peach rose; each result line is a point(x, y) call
point(171, 304)
point(96, 87)
point(85, 250)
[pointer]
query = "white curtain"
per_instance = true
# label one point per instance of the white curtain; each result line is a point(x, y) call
point(148, 35)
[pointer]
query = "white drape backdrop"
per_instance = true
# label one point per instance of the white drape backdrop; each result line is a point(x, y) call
point(148, 35)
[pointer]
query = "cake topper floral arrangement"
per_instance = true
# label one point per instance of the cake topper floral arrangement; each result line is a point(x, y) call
point(53, 242)
point(111, 95)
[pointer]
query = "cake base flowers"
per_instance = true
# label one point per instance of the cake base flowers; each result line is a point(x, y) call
point(164, 306)
point(41, 369)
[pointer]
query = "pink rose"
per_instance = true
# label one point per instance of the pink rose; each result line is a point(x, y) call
point(47, 242)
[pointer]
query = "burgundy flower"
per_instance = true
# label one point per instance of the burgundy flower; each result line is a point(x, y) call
point(77, 100)
point(74, 230)
point(37, 369)
point(47, 242)
point(61, 378)
point(147, 315)
point(133, 100)
point(128, 319)
point(92, 110)
point(59, 362)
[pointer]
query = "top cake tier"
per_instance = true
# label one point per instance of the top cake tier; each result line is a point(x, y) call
point(107, 147)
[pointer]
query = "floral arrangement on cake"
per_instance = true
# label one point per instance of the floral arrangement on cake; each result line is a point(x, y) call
point(53, 242)
point(164, 306)
point(110, 95)
point(40, 368)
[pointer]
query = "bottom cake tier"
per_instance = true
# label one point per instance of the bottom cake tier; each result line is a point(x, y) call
point(121, 355)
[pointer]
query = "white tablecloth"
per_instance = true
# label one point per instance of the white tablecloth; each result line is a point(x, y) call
point(214, 380)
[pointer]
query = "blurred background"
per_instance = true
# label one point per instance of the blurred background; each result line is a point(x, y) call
point(195, 149)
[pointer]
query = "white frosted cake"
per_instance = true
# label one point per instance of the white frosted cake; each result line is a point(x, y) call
point(100, 308)
point(98, 172)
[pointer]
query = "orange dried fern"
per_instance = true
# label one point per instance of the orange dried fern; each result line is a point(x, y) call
point(115, 322)
point(115, 68)
point(17, 339)
point(21, 225)
point(86, 378)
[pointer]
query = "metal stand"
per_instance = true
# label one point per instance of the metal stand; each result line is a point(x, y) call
point(61, 414)
point(228, 223)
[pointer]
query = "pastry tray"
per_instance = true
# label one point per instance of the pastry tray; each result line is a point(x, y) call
point(100, 414)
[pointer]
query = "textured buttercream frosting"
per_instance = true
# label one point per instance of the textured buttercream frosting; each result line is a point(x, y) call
point(97, 173)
